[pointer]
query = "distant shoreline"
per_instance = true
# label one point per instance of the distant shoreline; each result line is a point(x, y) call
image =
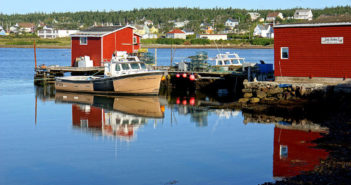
point(153, 46)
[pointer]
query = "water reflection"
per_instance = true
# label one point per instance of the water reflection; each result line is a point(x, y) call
point(118, 116)
point(294, 150)
point(123, 116)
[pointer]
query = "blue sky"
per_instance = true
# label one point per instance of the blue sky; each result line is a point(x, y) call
point(28, 6)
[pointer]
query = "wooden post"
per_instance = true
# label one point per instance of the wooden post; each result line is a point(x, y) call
point(35, 55)
point(155, 56)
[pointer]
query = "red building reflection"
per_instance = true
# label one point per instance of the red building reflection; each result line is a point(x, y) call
point(87, 116)
point(294, 152)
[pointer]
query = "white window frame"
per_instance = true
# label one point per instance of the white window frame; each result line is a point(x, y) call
point(281, 52)
point(82, 43)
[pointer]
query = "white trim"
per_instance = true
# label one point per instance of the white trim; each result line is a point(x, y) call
point(80, 41)
point(313, 25)
point(281, 53)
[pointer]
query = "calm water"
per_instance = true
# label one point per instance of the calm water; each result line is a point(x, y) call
point(69, 138)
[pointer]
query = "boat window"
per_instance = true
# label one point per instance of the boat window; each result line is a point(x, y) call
point(142, 66)
point(227, 62)
point(125, 121)
point(134, 65)
point(118, 121)
point(236, 62)
point(118, 68)
point(135, 121)
point(125, 66)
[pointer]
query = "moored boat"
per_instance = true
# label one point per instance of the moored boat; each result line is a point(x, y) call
point(123, 75)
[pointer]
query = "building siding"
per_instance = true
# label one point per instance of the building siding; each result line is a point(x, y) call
point(94, 45)
point(125, 40)
point(308, 57)
point(109, 46)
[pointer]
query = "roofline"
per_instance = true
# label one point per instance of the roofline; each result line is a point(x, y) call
point(107, 33)
point(313, 25)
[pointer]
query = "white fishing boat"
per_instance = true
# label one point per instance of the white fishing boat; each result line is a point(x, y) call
point(228, 61)
point(123, 74)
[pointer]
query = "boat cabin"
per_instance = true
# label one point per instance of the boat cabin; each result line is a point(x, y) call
point(229, 59)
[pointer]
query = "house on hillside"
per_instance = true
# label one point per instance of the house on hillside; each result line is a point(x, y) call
point(2, 31)
point(188, 32)
point(66, 33)
point(47, 32)
point(212, 36)
point(254, 15)
point(26, 27)
point(272, 16)
point(180, 24)
point(99, 43)
point(148, 23)
point(176, 34)
point(265, 31)
point(231, 23)
point(303, 14)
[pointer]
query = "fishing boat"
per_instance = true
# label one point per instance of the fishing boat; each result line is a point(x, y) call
point(122, 75)
point(228, 61)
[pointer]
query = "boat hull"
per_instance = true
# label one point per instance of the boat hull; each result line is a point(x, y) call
point(139, 83)
point(147, 83)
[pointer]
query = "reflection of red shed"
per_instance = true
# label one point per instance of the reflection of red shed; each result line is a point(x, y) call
point(99, 43)
point(312, 51)
point(293, 152)
point(86, 116)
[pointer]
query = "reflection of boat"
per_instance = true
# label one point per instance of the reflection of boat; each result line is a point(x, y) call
point(145, 106)
point(119, 116)
point(122, 75)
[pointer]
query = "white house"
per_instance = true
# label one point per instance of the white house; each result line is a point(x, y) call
point(149, 36)
point(303, 14)
point(66, 33)
point(265, 31)
point(254, 15)
point(231, 23)
point(188, 32)
point(181, 24)
point(212, 36)
point(47, 32)
point(176, 34)
point(273, 16)
point(148, 23)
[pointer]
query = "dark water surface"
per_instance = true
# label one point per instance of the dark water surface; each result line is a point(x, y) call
point(84, 139)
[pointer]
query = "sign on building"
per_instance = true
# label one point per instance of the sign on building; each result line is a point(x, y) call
point(332, 40)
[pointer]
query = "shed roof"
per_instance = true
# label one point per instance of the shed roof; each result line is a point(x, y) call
point(99, 31)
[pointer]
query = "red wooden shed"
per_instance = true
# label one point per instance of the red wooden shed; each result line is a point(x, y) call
point(312, 51)
point(99, 43)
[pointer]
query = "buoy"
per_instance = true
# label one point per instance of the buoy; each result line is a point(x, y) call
point(184, 75)
point(163, 78)
point(192, 77)
point(178, 75)
point(192, 101)
point(184, 102)
point(178, 101)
